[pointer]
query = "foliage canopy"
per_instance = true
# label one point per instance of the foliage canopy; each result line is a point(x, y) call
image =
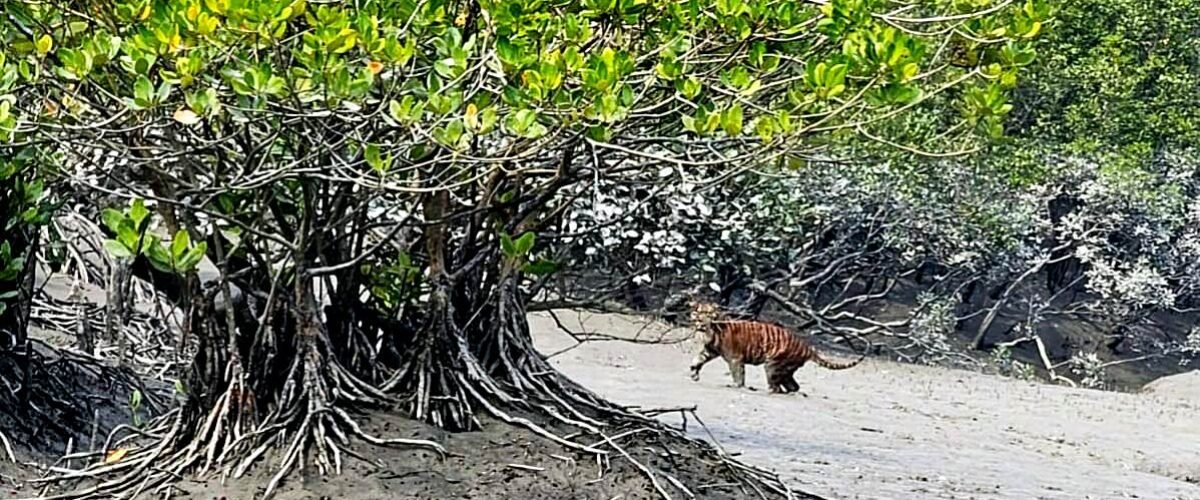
point(503, 78)
point(1116, 76)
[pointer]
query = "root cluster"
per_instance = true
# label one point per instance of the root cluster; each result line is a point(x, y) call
point(310, 419)
point(277, 380)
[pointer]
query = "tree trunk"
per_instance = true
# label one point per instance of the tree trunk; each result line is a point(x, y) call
point(1062, 269)
point(119, 282)
point(14, 319)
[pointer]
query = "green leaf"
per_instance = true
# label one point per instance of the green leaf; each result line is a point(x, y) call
point(507, 247)
point(13, 270)
point(159, 258)
point(448, 68)
point(524, 123)
point(397, 111)
point(372, 156)
point(15, 265)
point(689, 124)
point(33, 191)
point(488, 119)
point(29, 72)
point(118, 250)
point(765, 127)
point(690, 87)
point(193, 257)
point(509, 53)
point(143, 64)
point(164, 92)
point(180, 244)
point(471, 116)
point(453, 135)
point(524, 243)
point(276, 86)
point(1034, 29)
point(112, 219)
point(541, 267)
point(731, 120)
point(127, 235)
point(44, 44)
point(138, 212)
point(143, 92)
point(837, 74)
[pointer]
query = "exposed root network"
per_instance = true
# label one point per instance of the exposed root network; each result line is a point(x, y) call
point(295, 404)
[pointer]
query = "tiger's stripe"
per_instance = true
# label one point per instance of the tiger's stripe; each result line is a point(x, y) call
point(743, 343)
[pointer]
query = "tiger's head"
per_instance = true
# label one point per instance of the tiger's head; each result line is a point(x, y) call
point(703, 314)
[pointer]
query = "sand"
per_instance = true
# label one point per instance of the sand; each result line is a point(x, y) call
point(885, 430)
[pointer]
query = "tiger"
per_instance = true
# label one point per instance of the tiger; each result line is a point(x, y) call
point(754, 343)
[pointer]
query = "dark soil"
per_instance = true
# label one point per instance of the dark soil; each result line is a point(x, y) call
point(70, 399)
point(498, 462)
point(72, 404)
point(11, 485)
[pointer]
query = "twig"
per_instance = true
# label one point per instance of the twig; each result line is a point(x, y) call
point(645, 470)
point(8, 450)
point(1041, 346)
point(526, 467)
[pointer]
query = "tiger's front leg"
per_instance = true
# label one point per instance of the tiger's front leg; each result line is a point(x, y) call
point(704, 356)
point(737, 370)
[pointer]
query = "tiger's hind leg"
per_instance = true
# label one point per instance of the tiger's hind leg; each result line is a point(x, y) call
point(704, 356)
point(789, 384)
point(776, 377)
point(779, 377)
point(788, 380)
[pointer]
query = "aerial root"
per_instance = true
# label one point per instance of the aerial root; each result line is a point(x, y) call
point(524, 422)
point(647, 472)
point(758, 480)
point(541, 431)
point(8, 449)
point(325, 431)
point(755, 477)
point(357, 431)
point(47, 395)
point(226, 443)
point(137, 462)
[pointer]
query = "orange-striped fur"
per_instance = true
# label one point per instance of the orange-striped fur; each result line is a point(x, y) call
point(754, 343)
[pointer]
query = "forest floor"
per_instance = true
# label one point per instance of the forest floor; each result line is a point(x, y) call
point(885, 430)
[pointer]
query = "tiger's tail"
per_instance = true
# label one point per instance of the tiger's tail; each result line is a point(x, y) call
point(834, 365)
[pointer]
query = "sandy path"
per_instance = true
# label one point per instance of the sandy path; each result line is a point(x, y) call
point(891, 431)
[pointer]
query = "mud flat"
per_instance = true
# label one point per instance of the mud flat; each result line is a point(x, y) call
point(886, 430)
